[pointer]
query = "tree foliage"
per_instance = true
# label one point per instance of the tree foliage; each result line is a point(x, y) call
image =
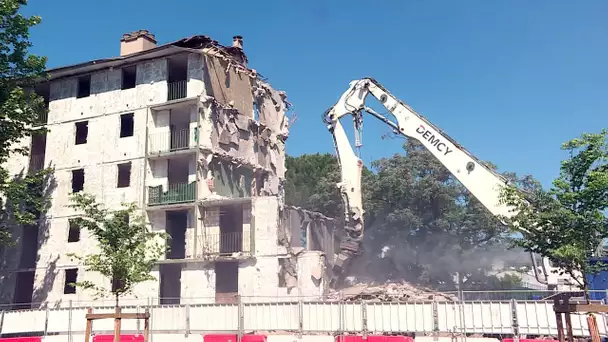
point(421, 224)
point(19, 110)
point(311, 183)
point(567, 223)
point(127, 248)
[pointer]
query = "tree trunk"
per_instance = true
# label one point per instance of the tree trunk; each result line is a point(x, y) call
point(116, 296)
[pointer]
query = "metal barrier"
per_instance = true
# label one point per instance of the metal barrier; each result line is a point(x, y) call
point(299, 316)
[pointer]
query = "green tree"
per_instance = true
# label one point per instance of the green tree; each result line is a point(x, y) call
point(20, 109)
point(567, 223)
point(421, 224)
point(127, 248)
point(311, 183)
point(437, 233)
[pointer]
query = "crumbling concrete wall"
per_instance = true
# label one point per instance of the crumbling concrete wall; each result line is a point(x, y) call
point(227, 85)
point(309, 238)
point(230, 130)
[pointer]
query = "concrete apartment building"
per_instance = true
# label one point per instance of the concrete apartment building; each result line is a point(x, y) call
point(197, 139)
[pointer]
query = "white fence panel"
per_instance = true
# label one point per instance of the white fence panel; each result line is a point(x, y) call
point(64, 338)
point(602, 324)
point(209, 317)
point(487, 317)
point(59, 320)
point(536, 318)
point(271, 316)
point(303, 338)
point(79, 320)
point(102, 325)
point(448, 317)
point(399, 317)
point(321, 316)
point(23, 321)
point(352, 317)
point(168, 318)
point(172, 338)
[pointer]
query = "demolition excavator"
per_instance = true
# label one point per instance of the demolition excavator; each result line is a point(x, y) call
point(481, 181)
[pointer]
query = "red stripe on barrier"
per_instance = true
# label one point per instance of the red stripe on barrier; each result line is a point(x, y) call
point(374, 338)
point(253, 338)
point(527, 340)
point(220, 338)
point(123, 338)
point(349, 338)
point(233, 338)
point(21, 339)
point(378, 338)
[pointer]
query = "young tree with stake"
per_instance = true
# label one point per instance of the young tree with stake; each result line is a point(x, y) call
point(568, 222)
point(127, 248)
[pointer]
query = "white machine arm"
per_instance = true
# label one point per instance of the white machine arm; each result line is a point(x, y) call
point(484, 183)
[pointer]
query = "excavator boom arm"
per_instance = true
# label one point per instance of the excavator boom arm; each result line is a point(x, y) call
point(481, 181)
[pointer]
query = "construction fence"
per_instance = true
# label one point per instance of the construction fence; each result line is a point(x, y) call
point(300, 316)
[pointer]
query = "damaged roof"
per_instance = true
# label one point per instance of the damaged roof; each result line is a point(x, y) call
point(181, 45)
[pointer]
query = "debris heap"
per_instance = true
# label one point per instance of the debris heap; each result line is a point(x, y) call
point(389, 292)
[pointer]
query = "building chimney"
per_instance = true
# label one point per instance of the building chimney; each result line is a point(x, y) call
point(136, 41)
point(237, 42)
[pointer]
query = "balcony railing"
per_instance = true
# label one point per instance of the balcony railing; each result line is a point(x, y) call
point(222, 244)
point(175, 193)
point(36, 163)
point(177, 90)
point(176, 140)
point(41, 118)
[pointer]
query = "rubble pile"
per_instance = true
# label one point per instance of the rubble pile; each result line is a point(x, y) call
point(389, 292)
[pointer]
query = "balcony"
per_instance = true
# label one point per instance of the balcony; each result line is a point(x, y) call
point(177, 90)
point(42, 118)
point(225, 244)
point(171, 142)
point(175, 194)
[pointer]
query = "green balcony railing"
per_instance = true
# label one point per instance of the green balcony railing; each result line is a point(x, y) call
point(177, 90)
point(175, 193)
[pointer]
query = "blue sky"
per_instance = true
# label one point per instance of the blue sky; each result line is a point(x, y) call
point(509, 80)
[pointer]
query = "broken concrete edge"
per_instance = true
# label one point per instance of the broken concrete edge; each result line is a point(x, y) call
point(314, 214)
point(259, 144)
point(242, 121)
point(212, 153)
point(315, 224)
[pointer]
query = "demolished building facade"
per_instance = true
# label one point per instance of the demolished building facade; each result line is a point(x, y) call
point(197, 139)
